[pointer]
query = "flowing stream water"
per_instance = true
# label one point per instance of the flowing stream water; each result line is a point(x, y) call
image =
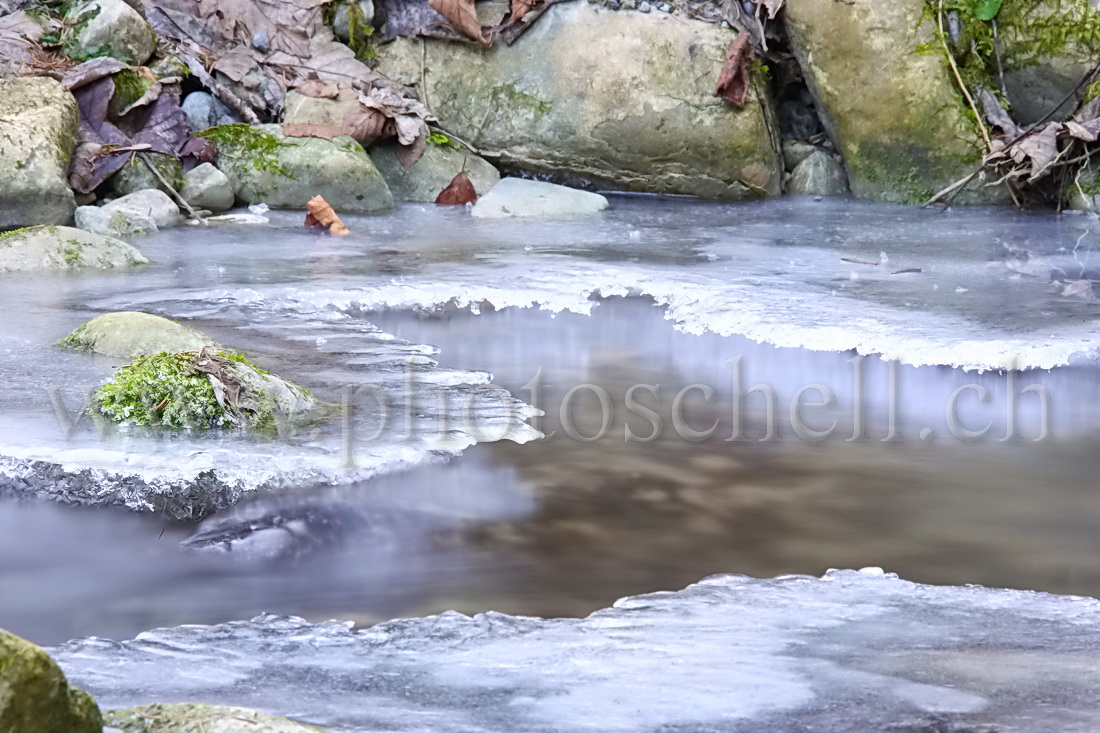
point(457, 504)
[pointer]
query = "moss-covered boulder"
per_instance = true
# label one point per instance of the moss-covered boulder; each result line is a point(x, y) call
point(891, 108)
point(441, 162)
point(136, 176)
point(38, 122)
point(192, 717)
point(622, 99)
point(35, 696)
point(111, 28)
point(63, 248)
point(130, 334)
point(181, 379)
point(266, 166)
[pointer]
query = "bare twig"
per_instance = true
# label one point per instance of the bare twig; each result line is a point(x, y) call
point(958, 78)
point(171, 188)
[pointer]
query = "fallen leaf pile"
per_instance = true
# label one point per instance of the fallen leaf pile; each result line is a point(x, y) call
point(321, 215)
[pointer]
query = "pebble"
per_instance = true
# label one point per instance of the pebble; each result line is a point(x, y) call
point(664, 7)
point(613, 4)
point(644, 7)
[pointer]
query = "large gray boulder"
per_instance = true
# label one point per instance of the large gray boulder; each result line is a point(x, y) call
point(622, 99)
point(131, 334)
point(894, 114)
point(433, 172)
point(521, 197)
point(116, 30)
point(63, 248)
point(193, 717)
point(38, 123)
point(266, 166)
point(35, 696)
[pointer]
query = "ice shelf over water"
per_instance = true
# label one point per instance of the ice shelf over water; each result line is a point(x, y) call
point(988, 294)
point(852, 651)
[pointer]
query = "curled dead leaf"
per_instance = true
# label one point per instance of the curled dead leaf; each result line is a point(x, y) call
point(462, 15)
point(321, 214)
point(733, 81)
point(459, 191)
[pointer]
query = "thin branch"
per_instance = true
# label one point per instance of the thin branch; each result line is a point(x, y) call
point(171, 188)
point(958, 78)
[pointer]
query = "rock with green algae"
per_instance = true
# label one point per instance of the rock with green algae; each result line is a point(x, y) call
point(621, 99)
point(266, 166)
point(38, 123)
point(181, 379)
point(63, 248)
point(135, 175)
point(35, 696)
point(892, 110)
point(131, 334)
point(193, 717)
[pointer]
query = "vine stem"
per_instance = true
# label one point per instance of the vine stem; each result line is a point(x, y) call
point(958, 78)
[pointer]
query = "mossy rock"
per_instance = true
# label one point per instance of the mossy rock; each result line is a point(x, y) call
point(181, 379)
point(135, 175)
point(192, 717)
point(266, 166)
point(893, 110)
point(131, 334)
point(35, 696)
point(63, 248)
point(428, 176)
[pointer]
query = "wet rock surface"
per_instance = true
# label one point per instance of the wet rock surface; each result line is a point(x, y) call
point(288, 171)
point(206, 187)
point(131, 334)
point(63, 248)
point(35, 696)
point(616, 98)
point(433, 172)
point(199, 718)
point(38, 123)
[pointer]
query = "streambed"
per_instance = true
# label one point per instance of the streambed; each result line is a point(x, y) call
point(434, 515)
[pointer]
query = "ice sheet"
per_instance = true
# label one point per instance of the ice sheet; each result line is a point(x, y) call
point(852, 651)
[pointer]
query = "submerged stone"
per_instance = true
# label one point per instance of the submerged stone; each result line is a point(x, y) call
point(522, 197)
point(63, 248)
point(193, 717)
point(621, 99)
point(35, 696)
point(38, 122)
point(266, 166)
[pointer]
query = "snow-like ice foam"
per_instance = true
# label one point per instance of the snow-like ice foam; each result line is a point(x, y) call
point(947, 288)
point(853, 651)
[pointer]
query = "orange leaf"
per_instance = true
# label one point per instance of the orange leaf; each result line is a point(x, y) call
point(733, 82)
point(458, 192)
point(462, 16)
point(321, 214)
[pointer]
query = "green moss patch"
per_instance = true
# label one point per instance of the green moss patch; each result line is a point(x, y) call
point(164, 389)
point(248, 146)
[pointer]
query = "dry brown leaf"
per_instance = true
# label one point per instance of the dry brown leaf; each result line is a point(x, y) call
point(997, 114)
point(462, 15)
point(459, 192)
point(520, 8)
point(367, 125)
point(1042, 148)
point(19, 35)
point(319, 89)
point(321, 214)
point(733, 82)
point(772, 6)
point(1087, 131)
